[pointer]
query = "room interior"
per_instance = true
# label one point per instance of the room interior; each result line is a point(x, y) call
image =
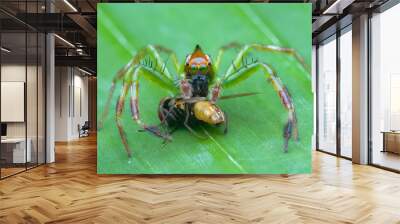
point(49, 124)
point(22, 102)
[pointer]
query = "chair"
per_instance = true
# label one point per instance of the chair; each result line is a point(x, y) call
point(84, 130)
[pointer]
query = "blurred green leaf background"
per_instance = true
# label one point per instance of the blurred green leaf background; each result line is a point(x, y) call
point(254, 141)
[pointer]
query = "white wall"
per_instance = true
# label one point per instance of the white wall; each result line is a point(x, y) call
point(80, 109)
point(62, 82)
point(71, 94)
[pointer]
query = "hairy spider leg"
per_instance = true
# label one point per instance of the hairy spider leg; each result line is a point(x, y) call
point(161, 77)
point(118, 114)
point(222, 50)
point(177, 66)
point(187, 125)
point(131, 82)
point(226, 123)
point(238, 62)
point(118, 76)
point(134, 101)
point(164, 114)
point(290, 128)
point(164, 126)
point(141, 55)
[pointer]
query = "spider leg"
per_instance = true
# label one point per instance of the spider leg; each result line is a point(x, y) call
point(134, 101)
point(130, 72)
point(166, 114)
point(117, 77)
point(163, 74)
point(226, 123)
point(172, 54)
point(222, 50)
point(134, 86)
point(193, 132)
point(164, 124)
point(238, 62)
point(119, 108)
point(156, 63)
point(290, 129)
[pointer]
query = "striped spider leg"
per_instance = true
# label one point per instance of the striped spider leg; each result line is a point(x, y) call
point(239, 71)
point(139, 66)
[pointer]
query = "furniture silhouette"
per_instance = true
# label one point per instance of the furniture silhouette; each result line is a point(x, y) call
point(84, 129)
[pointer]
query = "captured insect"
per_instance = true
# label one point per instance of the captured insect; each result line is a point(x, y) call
point(197, 87)
point(176, 111)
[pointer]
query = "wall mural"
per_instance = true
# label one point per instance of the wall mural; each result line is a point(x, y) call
point(204, 88)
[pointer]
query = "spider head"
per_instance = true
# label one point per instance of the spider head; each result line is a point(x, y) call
point(197, 63)
point(198, 70)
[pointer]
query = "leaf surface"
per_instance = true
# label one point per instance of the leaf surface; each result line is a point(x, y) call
point(254, 141)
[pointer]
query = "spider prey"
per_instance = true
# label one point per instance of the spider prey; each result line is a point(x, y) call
point(196, 86)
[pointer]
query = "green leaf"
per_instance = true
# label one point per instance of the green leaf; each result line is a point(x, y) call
point(254, 141)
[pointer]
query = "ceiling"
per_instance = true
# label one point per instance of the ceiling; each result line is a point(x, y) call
point(75, 22)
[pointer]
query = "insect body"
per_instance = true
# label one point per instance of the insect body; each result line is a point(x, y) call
point(174, 112)
point(196, 88)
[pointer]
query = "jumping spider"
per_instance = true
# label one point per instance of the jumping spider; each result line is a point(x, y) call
point(198, 85)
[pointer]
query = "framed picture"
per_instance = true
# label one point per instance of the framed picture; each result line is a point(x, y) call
point(204, 88)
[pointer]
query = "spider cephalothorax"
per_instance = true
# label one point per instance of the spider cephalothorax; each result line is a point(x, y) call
point(191, 82)
point(199, 72)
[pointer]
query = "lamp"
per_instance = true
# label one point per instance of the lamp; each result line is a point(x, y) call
point(64, 40)
point(5, 50)
point(70, 5)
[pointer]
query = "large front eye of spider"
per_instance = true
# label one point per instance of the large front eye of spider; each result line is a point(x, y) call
point(203, 68)
point(193, 67)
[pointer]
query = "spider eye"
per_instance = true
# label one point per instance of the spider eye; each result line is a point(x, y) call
point(203, 68)
point(193, 67)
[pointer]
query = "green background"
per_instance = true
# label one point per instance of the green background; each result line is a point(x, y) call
point(254, 141)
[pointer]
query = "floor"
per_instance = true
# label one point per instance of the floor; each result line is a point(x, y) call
point(5, 172)
point(70, 191)
point(387, 159)
point(10, 171)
